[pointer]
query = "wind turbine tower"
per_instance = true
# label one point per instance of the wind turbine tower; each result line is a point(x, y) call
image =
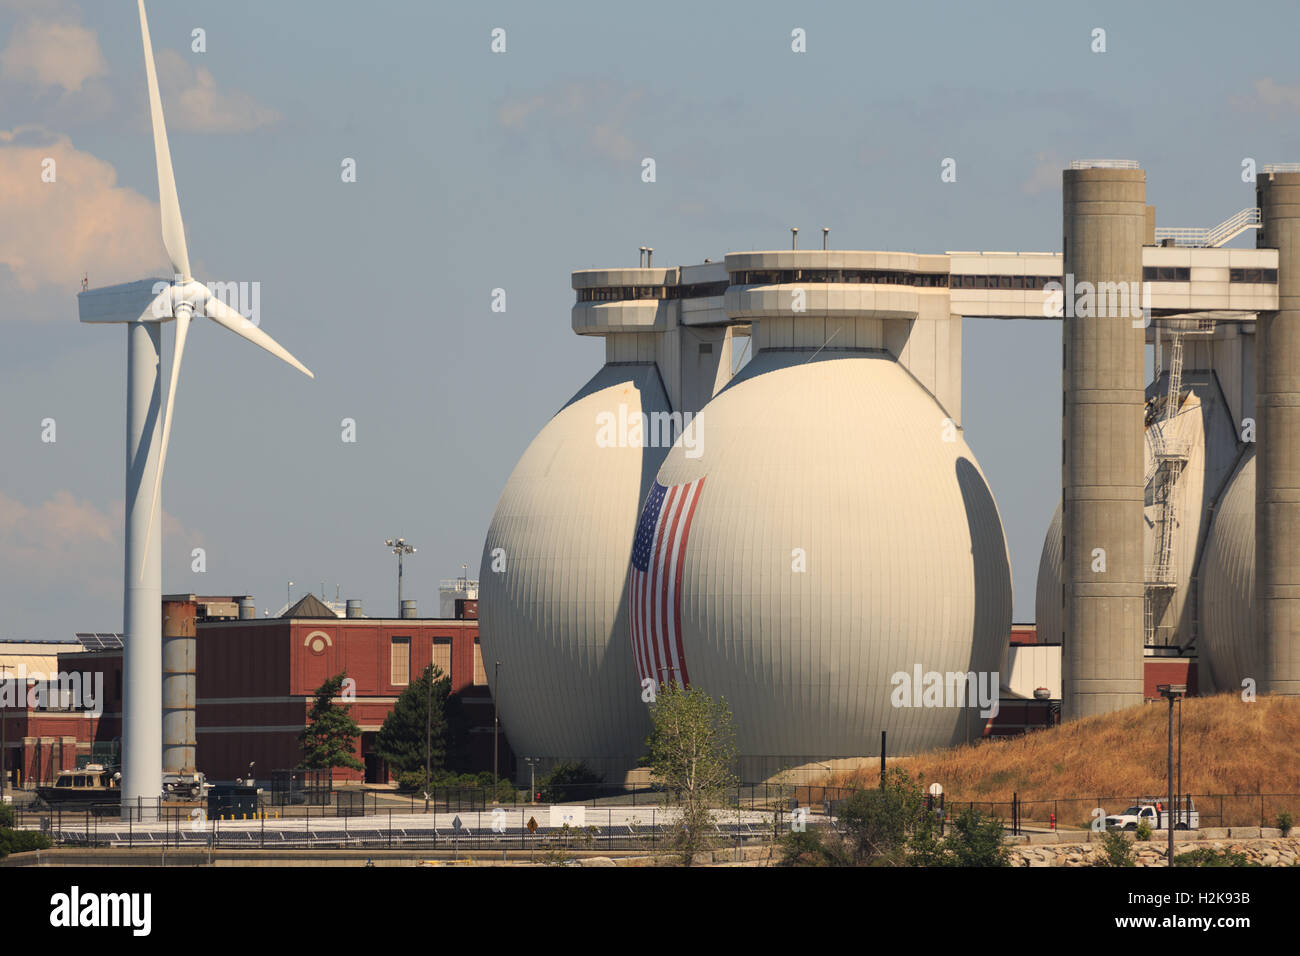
point(143, 306)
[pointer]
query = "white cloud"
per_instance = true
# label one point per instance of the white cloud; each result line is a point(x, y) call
point(1046, 175)
point(66, 543)
point(51, 233)
point(599, 113)
point(1269, 96)
point(58, 53)
point(191, 100)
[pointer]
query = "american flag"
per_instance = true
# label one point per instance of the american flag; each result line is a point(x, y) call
point(655, 580)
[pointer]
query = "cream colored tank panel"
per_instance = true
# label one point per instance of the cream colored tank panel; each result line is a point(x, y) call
point(841, 460)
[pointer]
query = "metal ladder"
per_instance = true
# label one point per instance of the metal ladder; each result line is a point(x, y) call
point(1169, 457)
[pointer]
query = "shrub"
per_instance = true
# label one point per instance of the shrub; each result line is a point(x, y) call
point(811, 847)
point(568, 781)
point(6, 816)
point(411, 780)
point(1284, 822)
point(1207, 857)
point(1143, 831)
point(20, 841)
point(976, 840)
point(1116, 850)
point(875, 824)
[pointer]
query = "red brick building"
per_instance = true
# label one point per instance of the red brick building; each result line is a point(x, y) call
point(255, 682)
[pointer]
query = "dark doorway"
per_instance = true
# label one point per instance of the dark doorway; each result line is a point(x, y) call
point(376, 766)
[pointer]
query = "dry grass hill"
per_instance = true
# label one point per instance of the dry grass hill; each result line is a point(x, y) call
point(1229, 747)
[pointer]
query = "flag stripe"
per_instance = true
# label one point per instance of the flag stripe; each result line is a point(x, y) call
point(663, 556)
point(655, 592)
point(686, 530)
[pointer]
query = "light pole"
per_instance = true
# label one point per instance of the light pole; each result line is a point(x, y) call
point(532, 778)
point(428, 730)
point(399, 548)
point(4, 737)
point(1182, 804)
point(288, 595)
point(496, 725)
point(1171, 693)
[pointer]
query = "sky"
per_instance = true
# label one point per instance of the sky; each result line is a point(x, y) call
point(479, 170)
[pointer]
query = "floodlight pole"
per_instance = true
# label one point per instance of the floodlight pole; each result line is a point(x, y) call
point(1171, 692)
point(1180, 761)
point(399, 548)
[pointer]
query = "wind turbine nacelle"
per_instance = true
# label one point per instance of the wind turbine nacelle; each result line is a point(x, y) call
point(146, 300)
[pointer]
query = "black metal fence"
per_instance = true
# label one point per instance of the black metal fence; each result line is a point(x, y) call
point(615, 817)
point(498, 829)
point(312, 788)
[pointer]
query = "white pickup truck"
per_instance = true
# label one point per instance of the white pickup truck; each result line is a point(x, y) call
point(1186, 816)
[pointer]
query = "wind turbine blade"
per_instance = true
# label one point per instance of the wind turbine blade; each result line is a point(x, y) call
point(182, 329)
point(173, 230)
point(217, 310)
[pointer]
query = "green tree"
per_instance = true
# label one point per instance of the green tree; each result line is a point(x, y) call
point(330, 738)
point(692, 751)
point(420, 710)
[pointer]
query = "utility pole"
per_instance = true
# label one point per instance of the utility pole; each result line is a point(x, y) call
point(399, 548)
point(496, 725)
point(428, 730)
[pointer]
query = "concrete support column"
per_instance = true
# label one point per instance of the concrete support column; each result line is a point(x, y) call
point(1104, 224)
point(1277, 455)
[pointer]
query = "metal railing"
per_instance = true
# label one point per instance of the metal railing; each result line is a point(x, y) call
point(1211, 237)
point(1105, 164)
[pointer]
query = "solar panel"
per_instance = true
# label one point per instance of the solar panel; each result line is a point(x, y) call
point(100, 641)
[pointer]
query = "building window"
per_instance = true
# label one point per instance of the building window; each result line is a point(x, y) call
point(480, 674)
point(399, 662)
point(442, 656)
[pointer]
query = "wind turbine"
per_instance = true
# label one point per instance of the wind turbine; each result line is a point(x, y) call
point(144, 306)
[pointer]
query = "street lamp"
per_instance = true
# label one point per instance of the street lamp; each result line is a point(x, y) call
point(288, 594)
point(1171, 693)
point(399, 548)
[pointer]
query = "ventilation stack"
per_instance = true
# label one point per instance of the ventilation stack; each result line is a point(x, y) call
point(1102, 477)
point(178, 687)
point(1277, 455)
